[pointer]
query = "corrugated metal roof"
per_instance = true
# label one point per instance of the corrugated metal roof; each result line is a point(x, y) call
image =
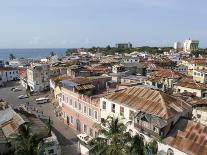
point(190, 137)
point(150, 101)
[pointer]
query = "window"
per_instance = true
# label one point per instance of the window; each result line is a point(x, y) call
point(67, 99)
point(96, 134)
point(85, 109)
point(103, 122)
point(95, 115)
point(91, 132)
point(113, 108)
point(122, 111)
point(75, 104)
point(104, 105)
point(90, 112)
point(71, 102)
point(170, 152)
point(79, 107)
point(51, 151)
point(85, 128)
point(131, 114)
point(71, 119)
point(63, 98)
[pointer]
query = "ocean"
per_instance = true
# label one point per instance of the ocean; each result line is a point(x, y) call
point(30, 53)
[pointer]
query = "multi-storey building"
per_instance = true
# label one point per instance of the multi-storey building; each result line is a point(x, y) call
point(149, 113)
point(124, 45)
point(38, 77)
point(8, 74)
point(80, 100)
point(200, 75)
point(191, 45)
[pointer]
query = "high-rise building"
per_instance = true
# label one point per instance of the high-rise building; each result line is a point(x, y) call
point(124, 45)
point(190, 45)
point(177, 45)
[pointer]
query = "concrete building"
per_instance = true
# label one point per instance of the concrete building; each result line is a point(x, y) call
point(177, 45)
point(200, 75)
point(191, 86)
point(38, 77)
point(20, 62)
point(152, 114)
point(80, 111)
point(8, 74)
point(124, 45)
point(190, 45)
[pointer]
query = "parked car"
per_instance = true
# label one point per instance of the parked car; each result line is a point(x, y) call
point(84, 138)
point(16, 89)
point(23, 96)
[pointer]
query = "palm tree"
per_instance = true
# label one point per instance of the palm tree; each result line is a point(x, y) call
point(137, 146)
point(113, 138)
point(25, 143)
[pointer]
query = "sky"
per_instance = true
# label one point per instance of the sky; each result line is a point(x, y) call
point(87, 23)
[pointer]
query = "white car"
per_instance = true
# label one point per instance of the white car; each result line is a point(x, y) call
point(84, 138)
point(16, 89)
point(23, 96)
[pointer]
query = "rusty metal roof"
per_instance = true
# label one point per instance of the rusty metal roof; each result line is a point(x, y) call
point(192, 85)
point(167, 73)
point(150, 101)
point(190, 137)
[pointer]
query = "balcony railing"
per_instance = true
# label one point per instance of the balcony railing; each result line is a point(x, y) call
point(146, 131)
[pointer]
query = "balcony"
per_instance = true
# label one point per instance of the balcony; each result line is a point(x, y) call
point(146, 131)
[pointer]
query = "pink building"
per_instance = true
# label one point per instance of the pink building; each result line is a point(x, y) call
point(80, 112)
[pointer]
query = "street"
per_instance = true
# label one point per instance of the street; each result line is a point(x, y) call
point(66, 136)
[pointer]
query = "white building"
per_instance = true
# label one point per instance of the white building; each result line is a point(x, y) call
point(8, 74)
point(177, 45)
point(20, 62)
point(52, 146)
point(38, 77)
point(190, 45)
point(149, 113)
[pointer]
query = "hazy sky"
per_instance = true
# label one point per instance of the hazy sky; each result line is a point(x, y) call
point(86, 23)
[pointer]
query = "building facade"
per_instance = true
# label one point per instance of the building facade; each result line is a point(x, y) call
point(190, 45)
point(80, 111)
point(38, 77)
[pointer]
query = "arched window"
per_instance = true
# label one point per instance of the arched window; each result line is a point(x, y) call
point(170, 152)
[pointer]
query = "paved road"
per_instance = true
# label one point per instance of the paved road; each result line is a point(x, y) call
point(65, 135)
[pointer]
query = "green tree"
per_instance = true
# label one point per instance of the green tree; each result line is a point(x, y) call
point(12, 56)
point(26, 143)
point(137, 146)
point(115, 140)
